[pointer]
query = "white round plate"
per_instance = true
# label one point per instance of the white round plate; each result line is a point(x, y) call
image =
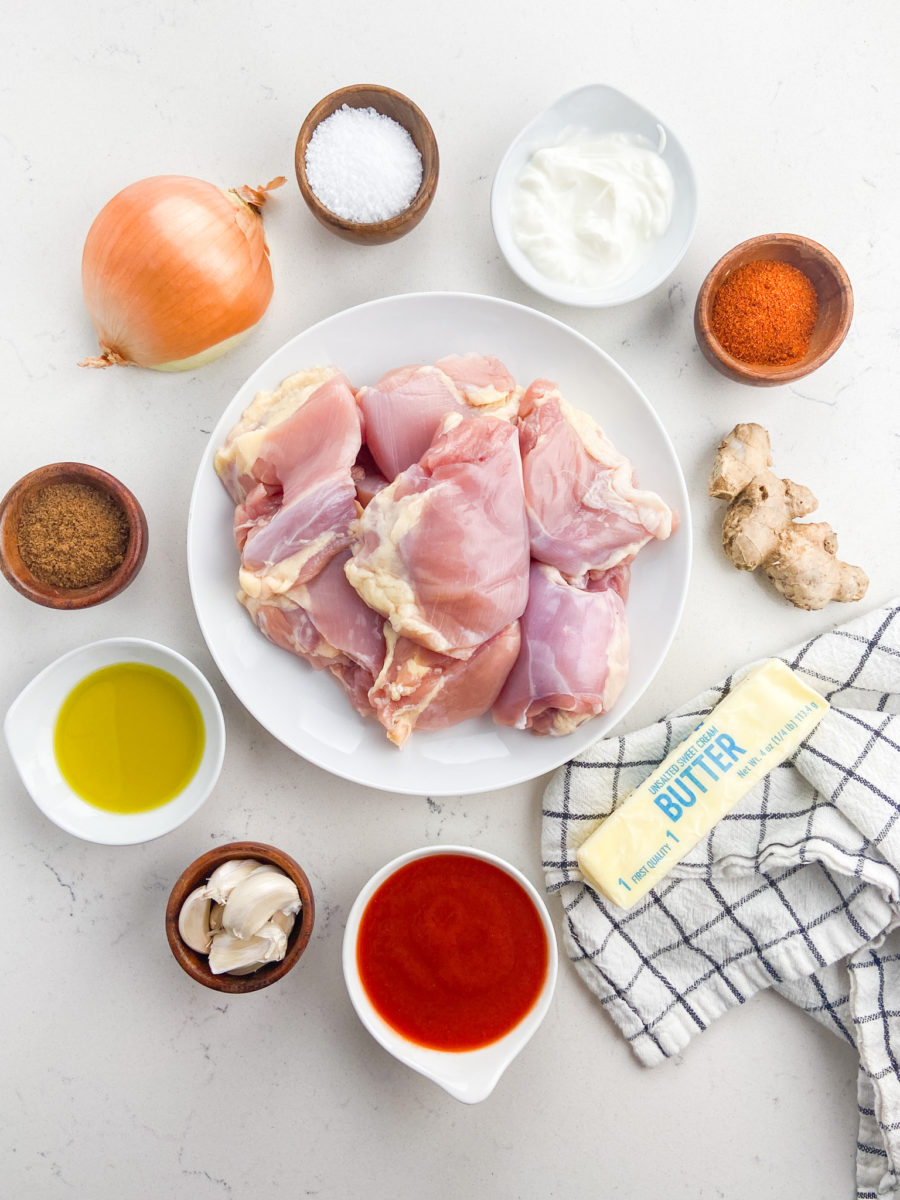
point(307, 710)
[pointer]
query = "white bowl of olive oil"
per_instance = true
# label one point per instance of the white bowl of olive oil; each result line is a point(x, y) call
point(119, 741)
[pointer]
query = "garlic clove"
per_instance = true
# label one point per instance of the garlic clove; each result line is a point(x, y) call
point(194, 922)
point(215, 916)
point(254, 900)
point(287, 914)
point(277, 942)
point(228, 953)
point(225, 877)
point(274, 934)
point(248, 970)
point(284, 920)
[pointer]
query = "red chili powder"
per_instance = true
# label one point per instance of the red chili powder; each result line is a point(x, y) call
point(765, 312)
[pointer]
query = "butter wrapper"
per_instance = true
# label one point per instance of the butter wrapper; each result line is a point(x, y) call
point(762, 721)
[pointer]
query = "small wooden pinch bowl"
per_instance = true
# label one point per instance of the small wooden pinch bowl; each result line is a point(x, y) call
point(18, 574)
point(835, 296)
point(197, 965)
point(400, 109)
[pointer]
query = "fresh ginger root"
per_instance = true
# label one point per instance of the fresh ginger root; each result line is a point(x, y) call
point(742, 454)
point(758, 516)
point(760, 528)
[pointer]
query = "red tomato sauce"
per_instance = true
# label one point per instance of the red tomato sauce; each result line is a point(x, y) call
point(451, 952)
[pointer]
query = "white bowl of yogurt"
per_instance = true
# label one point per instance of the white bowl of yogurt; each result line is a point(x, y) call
point(595, 201)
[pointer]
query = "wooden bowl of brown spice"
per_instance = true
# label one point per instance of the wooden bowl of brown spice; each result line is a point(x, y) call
point(773, 309)
point(71, 536)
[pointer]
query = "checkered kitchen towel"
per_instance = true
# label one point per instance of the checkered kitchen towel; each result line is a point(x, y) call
point(798, 888)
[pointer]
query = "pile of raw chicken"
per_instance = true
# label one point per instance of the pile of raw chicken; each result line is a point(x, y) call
point(445, 542)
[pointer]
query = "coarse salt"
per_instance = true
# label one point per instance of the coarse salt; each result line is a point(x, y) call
point(362, 165)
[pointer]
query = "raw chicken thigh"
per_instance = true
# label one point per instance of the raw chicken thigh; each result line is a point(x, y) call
point(573, 662)
point(402, 413)
point(442, 552)
point(443, 543)
point(421, 689)
point(325, 622)
point(484, 383)
point(366, 477)
point(237, 460)
point(585, 512)
point(288, 465)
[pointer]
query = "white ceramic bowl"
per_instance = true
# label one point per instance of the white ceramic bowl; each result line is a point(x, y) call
point(29, 728)
point(468, 1075)
point(599, 109)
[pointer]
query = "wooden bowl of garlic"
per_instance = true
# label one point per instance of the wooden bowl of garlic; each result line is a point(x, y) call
point(240, 916)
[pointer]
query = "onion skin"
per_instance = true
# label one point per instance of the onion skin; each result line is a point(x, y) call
point(175, 268)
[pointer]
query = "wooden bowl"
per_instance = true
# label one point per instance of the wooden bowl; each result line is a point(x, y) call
point(835, 307)
point(18, 574)
point(400, 109)
point(197, 965)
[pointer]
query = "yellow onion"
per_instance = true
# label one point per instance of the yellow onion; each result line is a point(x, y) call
point(176, 270)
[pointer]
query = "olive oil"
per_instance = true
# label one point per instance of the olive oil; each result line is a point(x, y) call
point(129, 737)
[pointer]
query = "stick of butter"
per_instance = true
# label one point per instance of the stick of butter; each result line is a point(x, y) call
point(761, 721)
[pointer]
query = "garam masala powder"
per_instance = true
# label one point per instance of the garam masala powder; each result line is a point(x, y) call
point(765, 312)
point(72, 535)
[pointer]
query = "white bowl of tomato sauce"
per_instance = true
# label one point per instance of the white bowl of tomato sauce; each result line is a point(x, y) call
point(450, 960)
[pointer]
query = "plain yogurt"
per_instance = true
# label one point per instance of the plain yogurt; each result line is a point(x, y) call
point(588, 209)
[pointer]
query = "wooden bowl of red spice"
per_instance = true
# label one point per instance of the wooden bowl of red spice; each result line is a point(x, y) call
point(773, 309)
point(71, 536)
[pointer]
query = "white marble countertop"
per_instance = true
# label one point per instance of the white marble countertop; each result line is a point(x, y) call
point(121, 1077)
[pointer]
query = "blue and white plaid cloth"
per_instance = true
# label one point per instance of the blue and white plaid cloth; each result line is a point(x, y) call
point(798, 888)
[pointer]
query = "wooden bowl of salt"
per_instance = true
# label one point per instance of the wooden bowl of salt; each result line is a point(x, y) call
point(367, 163)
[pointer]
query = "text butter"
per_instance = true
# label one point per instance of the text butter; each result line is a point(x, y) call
point(762, 720)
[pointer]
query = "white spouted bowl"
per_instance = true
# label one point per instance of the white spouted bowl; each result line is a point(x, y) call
point(597, 109)
point(468, 1075)
point(31, 721)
